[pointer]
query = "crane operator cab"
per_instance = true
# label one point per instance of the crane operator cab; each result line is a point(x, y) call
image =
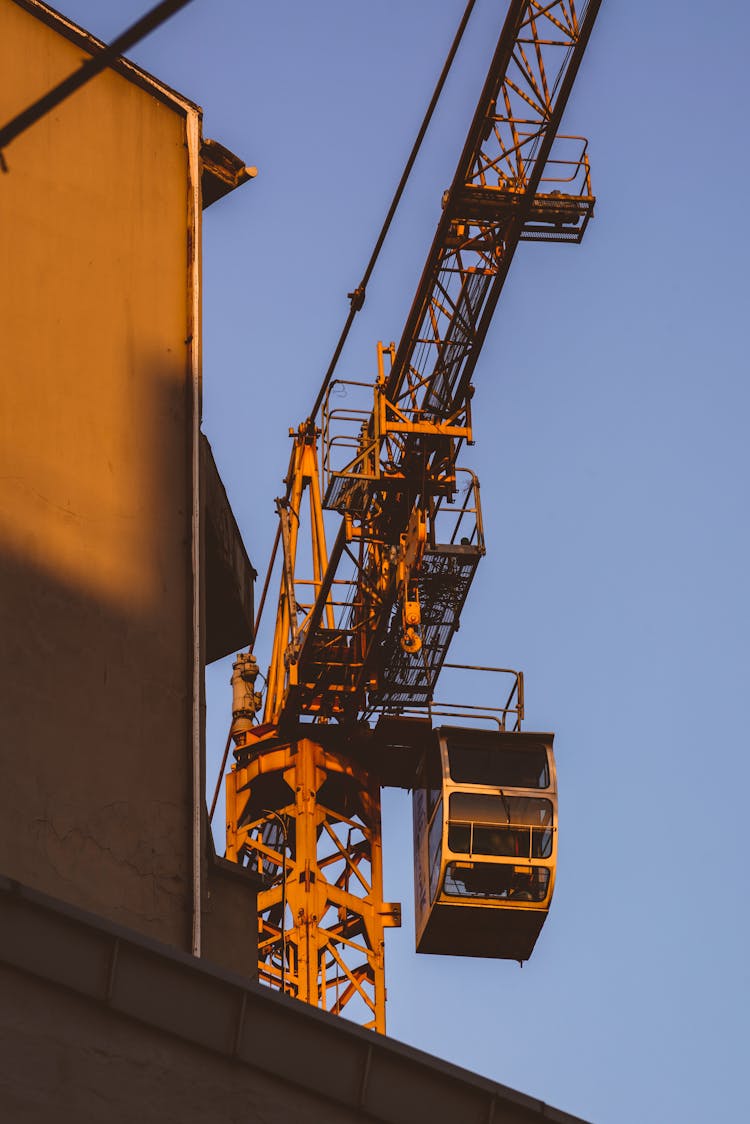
point(485, 842)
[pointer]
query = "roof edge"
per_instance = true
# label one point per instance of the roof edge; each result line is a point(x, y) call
point(130, 70)
point(223, 171)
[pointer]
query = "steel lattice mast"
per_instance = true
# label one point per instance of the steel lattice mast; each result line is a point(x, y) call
point(369, 630)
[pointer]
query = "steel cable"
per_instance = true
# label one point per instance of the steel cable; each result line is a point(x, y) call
point(357, 297)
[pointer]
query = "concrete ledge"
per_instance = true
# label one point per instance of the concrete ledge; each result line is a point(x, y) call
point(138, 979)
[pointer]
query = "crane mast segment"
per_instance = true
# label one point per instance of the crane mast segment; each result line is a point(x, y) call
point(369, 631)
point(321, 851)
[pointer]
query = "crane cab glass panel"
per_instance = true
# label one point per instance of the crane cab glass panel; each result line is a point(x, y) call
point(485, 842)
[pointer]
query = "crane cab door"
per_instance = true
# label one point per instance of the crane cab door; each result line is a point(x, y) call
point(485, 842)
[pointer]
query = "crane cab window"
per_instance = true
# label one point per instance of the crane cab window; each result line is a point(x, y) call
point(496, 882)
point(479, 763)
point(510, 826)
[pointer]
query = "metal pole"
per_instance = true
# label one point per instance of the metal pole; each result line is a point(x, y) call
point(280, 819)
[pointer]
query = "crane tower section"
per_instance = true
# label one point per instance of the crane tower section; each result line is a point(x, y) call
point(366, 629)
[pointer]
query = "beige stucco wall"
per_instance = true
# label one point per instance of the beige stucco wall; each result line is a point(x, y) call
point(95, 491)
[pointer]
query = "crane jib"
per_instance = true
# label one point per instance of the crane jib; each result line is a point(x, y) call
point(517, 179)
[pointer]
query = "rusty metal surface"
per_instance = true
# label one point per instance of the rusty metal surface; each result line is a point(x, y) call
point(222, 171)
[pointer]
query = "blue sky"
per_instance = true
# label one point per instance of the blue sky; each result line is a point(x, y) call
point(611, 419)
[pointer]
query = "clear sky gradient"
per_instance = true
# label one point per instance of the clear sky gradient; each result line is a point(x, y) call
point(611, 418)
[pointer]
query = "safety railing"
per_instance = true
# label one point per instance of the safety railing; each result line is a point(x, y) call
point(563, 203)
point(567, 166)
point(500, 841)
point(507, 716)
point(459, 522)
point(349, 447)
point(366, 439)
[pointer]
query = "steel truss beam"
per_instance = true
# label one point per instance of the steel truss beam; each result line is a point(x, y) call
point(510, 184)
point(373, 629)
point(308, 821)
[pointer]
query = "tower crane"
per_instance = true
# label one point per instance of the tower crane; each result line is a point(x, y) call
point(363, 629)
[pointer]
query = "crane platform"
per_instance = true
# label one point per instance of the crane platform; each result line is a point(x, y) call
point(444, 583)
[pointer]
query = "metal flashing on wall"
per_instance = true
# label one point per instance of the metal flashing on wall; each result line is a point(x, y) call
point(229, 573)
point(222, 171)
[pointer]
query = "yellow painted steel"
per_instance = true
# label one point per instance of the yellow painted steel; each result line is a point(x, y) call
point(369, 629)
point(302, 476)
point(321, 920)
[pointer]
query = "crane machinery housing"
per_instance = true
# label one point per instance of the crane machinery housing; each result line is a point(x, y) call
point(363, 629)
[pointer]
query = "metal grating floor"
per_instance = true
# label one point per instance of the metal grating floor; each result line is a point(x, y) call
point(444, 584)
